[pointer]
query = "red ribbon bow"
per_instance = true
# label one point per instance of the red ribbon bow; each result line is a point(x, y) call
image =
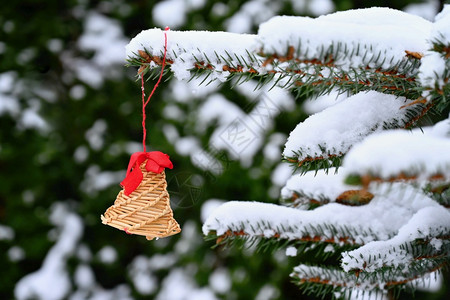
point(156, 162)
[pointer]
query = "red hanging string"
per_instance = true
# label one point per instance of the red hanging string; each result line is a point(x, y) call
point(144, 103)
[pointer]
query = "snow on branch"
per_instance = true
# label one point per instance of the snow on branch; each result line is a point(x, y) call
point(325, 280)
point(374, 37)
point(307, 55)
point(399, 155)
point(319, 188)
point(424, 237)
point(331, 132)
point(435, 69)
point(378, 220)
point(217, 52)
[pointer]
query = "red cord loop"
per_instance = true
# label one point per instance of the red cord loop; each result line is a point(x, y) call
point(144, 102)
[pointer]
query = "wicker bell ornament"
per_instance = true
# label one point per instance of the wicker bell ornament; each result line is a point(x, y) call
point(143, 206)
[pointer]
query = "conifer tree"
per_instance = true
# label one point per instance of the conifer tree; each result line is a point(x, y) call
point(369, 194)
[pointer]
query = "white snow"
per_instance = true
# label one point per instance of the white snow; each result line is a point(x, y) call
point(173, 13)
point(9, 105)
point(213, 110)
point(81, 154)
point(281, 173)
point(441, 26)
point(240, 133)
point(272, 149)
point(7, 80)
point(344, 30)
point(430, 283)
point(426, 223)
point(432, 70)
point(315, 105)
point(143, 280)
point(318, 186)
point(391, 153)
point(53, 272)
point(162, 261)
point(268, 292)
point(391, 33)
point(339, 127)
point(55, 45)
point(6, 233)
point(209, 206)
point(220, 280)
point(378, 220)
point(96, 180)
point(77, 92)
point(440, 129)
point(170, 13)
point(186, 288)
point(16, 253)
point(84, 254)
point(84, 276)
point(320, 7)
point(187, 145)
point(107, 254)
point(185, 91)
point(251, 13)
point(291, 251)
point(189, 238)
point(104, 36)
point(173, 112)
point(31, 119)
point(434, 65)
point(426, 9)
point(95, 134)
point(9, 101)
point(187, 47)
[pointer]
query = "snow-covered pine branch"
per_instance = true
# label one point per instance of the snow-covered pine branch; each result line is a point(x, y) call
point(217, 53)
point(305, 191)
point(424, 239)
point(323, 138)
point(348, 51)
point(378, 220)
point(321, 281)
point(399, 155)
point(434, 72)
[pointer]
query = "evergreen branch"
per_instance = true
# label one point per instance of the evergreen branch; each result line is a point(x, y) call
point(436, 81)
point(329, 157)
point(412, 176)
point(310, 163)
point(439, 192)
point(414, 255)
point(304, 245)
point(423, 241)
point(349, 197)
point(296, 76)
point(229, 236)
point(304, 200)
point(265, 235)
point(423, 110)
point(327, 280)
point(200, 63)
point(330, 69)
point(420, 169)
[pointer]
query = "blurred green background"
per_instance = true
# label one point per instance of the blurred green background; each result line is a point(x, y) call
point(70, 118)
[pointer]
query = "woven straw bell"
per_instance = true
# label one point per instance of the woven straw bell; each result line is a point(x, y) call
point(146, 211)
